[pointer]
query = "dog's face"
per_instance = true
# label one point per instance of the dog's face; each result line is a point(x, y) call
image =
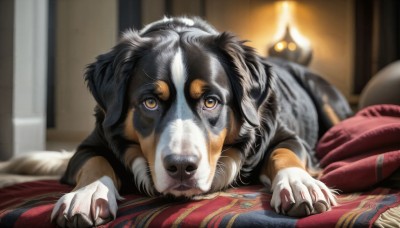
point(184, 104)
point(180, 114)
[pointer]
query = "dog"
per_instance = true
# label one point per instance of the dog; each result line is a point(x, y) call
point(184, 110)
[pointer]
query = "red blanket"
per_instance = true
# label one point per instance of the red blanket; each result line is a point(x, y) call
point(30, 205)
point(356, 155)
point(363, 150)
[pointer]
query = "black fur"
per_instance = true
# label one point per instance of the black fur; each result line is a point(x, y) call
point(273, 100)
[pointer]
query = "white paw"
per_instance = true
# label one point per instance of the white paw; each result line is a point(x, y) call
point(92, 205)
point(296, 193)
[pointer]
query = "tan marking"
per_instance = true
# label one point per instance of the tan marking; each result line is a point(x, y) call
point(197, 88)
point(233, 153)
point(162, 90)
point(329, 111)
point(331, 114)
point(131, 154)
point(215, 146)
point(279, 159)
point(129, 130)
point(217, 142)
point(93, 169)
point(233, 130)
point(148, 147)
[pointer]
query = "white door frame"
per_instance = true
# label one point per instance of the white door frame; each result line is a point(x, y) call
point(30, 75)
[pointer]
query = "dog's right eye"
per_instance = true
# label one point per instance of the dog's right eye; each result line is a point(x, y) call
point(210, 103)
point(150, 104)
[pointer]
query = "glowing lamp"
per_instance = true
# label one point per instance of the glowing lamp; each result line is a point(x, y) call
point(290, 44)
point(288, 48)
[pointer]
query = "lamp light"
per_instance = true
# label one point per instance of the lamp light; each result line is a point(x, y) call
point(291, 45)
point(288, 48)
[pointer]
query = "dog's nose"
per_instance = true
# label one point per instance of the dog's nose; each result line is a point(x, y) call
point(181, 166)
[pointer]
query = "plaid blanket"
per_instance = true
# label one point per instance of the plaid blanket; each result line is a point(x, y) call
point(30, 205)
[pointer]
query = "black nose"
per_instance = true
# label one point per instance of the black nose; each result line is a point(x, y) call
point(181, 167)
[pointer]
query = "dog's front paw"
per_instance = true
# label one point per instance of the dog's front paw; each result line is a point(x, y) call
point(92, 205)
point(296, 193)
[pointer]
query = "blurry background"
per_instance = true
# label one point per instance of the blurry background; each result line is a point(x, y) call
point(46, 44)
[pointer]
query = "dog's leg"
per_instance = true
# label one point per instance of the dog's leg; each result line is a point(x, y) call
point(294, 191)
point(94, 199)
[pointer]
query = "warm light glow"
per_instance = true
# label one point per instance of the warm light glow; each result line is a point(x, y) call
point(301, 40)
point(292, 46)
point(280, 46)
point(286, 10)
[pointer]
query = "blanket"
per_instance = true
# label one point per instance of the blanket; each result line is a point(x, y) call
point(356, 156)
point(30, 205)
point(362, 151)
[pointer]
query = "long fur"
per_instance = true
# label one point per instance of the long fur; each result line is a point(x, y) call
point(34, 166)
point(38, 163)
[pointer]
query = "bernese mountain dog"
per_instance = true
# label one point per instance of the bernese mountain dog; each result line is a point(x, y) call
point(184, 110)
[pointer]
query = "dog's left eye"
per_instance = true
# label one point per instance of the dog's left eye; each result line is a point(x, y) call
point(151, 103)
point(210, 103)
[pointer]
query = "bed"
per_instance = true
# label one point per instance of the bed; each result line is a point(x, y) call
point(360, 157)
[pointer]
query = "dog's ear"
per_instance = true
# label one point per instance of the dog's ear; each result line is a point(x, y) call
point(250, 79)
point(108, 77)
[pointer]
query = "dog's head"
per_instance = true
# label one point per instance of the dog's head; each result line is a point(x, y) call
point(183, 98)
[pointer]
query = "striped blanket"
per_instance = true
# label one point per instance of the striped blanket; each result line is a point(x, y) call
point(30, 205)
point(357, 157)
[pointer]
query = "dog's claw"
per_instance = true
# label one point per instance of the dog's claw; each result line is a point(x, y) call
point(81, 220)
point(102, 212)
point(297, 194)
point(300, 210)
point(321, 206)
point(92, 205)
point(287, 200)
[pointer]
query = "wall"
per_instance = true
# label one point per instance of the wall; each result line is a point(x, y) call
point(152, 10)
point(332, 39)
point(327, 24)
point(85, 29)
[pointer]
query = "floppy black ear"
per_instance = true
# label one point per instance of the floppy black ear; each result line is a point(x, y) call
point(108, 77)
point(250, 78)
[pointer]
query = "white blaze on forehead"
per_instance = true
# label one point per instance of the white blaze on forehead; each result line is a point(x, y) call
point(178, 73)
point(181, 136)
point(178, 67)
point(183, 124)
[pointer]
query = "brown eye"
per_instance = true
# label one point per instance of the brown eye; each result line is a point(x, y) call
point(210, 103)
point(150, 103)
